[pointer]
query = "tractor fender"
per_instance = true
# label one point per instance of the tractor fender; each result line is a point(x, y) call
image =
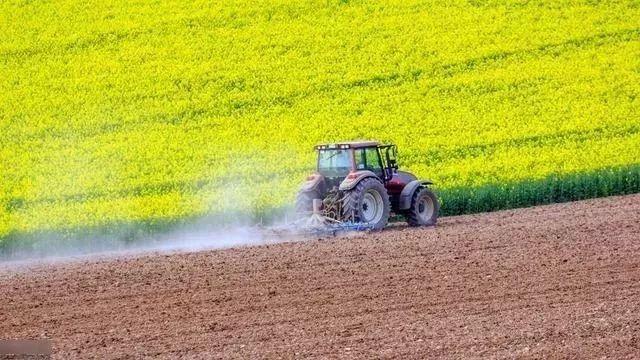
point(313, 183)
point(354, 178)
point(408, 191)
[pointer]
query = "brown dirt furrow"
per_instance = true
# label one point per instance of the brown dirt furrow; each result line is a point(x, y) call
point(552, 281)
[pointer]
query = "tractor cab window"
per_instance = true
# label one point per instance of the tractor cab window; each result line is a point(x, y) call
point(361, 160)
point(368, 159)
point(334, 162)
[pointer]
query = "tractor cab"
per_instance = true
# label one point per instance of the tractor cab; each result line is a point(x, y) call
point(337, 161)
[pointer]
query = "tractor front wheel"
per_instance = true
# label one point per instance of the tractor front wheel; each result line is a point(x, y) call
point(424, 208)
point(367, 202)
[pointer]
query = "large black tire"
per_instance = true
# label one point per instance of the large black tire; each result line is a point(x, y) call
point(368, 202)
point(424, 208)
point(304, 203)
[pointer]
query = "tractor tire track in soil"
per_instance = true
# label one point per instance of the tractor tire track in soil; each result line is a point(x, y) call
point(560, 280)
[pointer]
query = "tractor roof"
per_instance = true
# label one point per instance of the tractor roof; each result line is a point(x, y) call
point(348, 145)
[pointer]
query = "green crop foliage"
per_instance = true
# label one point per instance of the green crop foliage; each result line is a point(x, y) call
point(125, 112)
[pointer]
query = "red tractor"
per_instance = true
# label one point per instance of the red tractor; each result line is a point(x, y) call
point(359, 182)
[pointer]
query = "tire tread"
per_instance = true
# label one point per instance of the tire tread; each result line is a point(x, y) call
point(411, 215)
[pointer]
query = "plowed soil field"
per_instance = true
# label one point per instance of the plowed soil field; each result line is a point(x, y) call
point(552, 281)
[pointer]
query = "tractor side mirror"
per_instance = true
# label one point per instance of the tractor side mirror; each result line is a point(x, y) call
point(392, 155)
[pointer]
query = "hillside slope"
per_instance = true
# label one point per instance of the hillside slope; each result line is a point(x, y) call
point(121, 112)
point(553, 281)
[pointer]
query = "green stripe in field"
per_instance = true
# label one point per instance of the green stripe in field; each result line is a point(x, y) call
point(490, 197)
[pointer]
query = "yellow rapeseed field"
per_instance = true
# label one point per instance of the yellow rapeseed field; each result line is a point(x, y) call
point(122, 111)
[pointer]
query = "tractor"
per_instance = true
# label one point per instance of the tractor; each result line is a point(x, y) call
point(359, 182)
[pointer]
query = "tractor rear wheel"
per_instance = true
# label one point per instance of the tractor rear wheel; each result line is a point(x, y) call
point(304, 203)
point(367, 202)
point(424, 208)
